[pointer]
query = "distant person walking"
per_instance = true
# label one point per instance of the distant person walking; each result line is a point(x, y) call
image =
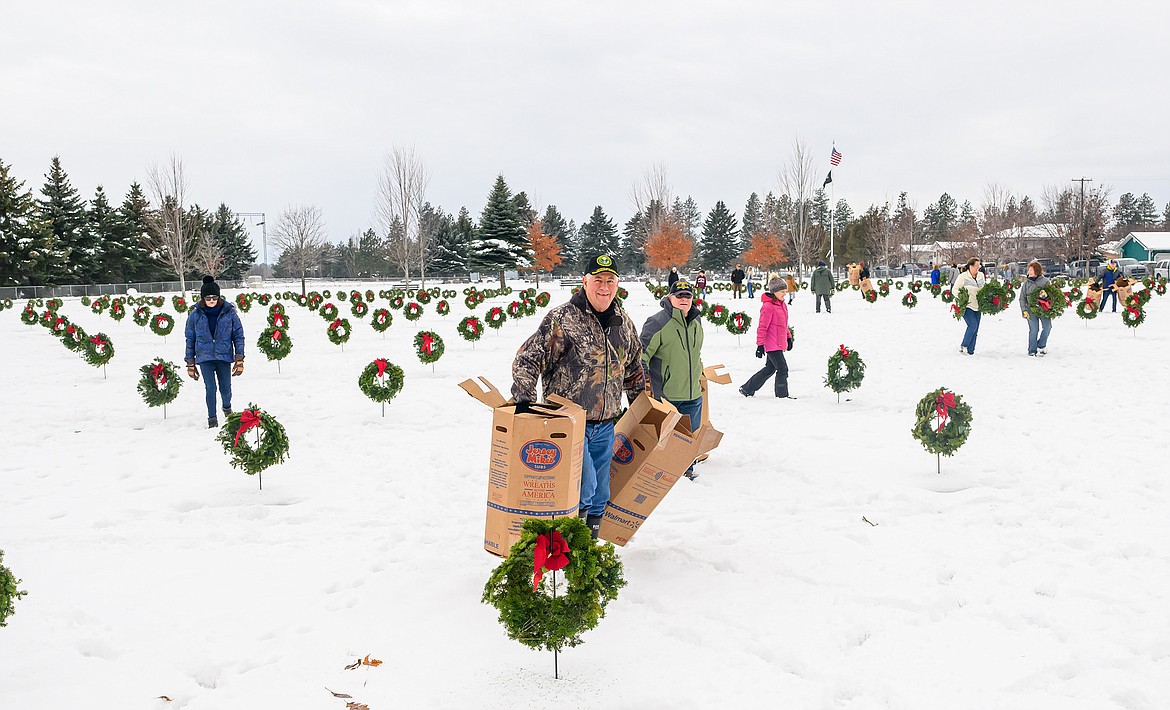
point(672, 277)
point(1108, 282)
point(737, 281)
point(215, 347)
point(971, 279)
point(771, 342)
point(791, 283)
point(822, 286)
point(701, 284)
point(1038, 327)
point(752, 273)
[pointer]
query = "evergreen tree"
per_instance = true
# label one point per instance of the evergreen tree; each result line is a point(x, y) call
point(524, 209)
point(941, 218)
point(598, 236)
point(554, 223)
point(753, 220)
point(842, 216)
point(1027, 216)
point(238, 253)
point(24, 247)
point(818, 209)
point(62, 210)
point(1166, 218)
point(501, 242)
point(138, 263)
point(686, 214)
point(632, 249)
point(102, 223)
point(719, 245)
point(448, 245)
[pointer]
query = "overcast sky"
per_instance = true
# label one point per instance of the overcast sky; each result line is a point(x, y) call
point(271, 104)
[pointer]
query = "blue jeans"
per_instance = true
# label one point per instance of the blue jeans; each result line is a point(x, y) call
point(214, 370)
point(693, 411)
point(971, 318)
point(1043, 326)
point(751, 288)
point(595, 467)
point(1105, 297)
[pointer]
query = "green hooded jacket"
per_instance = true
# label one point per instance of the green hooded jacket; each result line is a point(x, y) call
point(671, 352)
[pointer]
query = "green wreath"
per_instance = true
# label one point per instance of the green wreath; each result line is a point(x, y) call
point(162, 324)
point(992, 298)
point(47, 319)
point(884, 290)
point(529, 612)
point(370, 295)
point(947, 296)
point(943, 422)
point(29, 316)
point(543, 298)
point(117, 309)
point(98, 349)
point(274, 342)
point(276, 308)
point(60, 324)
point(428, 346)
point(179, 303)
point(243, 302)
point(960, 303)
point(98, 306)
point(471, 302)
point(529, 306)
point(1133, 316)
point(385, 387)
point(935, 290)
point(158, 301)
point(1141, 298)
point(1159, 288)
point(1075, 293)
point(1047, 302)
point(329, 312)
point(381, 320)
point(443, 308)
point(160, 382)
point(916, 286)
point(897, 284)
point(717, 315)
point(338, 331)
point(422, 297)
point(74, 338)
point(1087, 309)
point(358, 308)
point(142, 316)
point(846, 370)
point(8, 592)
point(496, 317)
point(470, 328)
point(412, 311)
point(278, 319)
point(870, 296)
point(738, 323)
point(910, 300)
point(396, 301)
point(515, 309)
point(244, 452)
point(342, 296)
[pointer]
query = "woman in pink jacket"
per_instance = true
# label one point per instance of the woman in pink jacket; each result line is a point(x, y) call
point(772, 341)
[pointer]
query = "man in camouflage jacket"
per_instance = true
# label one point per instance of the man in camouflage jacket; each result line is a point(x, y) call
point(587, 351)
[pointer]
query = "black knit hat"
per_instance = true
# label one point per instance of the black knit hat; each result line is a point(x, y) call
point(209, 288)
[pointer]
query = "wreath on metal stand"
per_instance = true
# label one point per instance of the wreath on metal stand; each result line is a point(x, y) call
point(470, 329)
point(98, 351)
point(275, 343)
point(429, 347)
point(539, 612)
point(943, 423)
point(159, 384)
point(846, 371)
point(271, 445)
point(381, 381)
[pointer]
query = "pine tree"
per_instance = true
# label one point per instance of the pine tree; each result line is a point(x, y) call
point(448, 245)
point(501, 242)
point(139, 264)
point(598, 236)
point(719, 245)
point(524, 209)
point(102, 223)
point(941, 218)
point(632, 246)
point(1027, 216)
point(24, 246)
point(238, 253)
point(1166, 218)
point(554, 224)
point(753, 220)
point(63, 211)
point(687, 216)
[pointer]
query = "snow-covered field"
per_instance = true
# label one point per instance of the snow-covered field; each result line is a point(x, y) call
point(1033, 573)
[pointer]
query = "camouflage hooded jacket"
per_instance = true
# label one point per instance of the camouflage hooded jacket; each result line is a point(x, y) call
point(578, 359)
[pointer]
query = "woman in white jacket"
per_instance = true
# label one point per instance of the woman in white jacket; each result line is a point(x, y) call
point(972, 280)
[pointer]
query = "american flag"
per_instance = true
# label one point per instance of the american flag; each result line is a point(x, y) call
point(835, 157)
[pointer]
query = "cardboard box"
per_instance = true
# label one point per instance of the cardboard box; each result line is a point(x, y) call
point(534, 470)
point(652, 447)
point(711, 374)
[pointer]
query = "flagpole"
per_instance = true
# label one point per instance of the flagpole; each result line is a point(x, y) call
point(832, 250)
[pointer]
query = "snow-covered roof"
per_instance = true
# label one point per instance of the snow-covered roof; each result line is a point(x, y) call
point(1034, 231)
point(1152, 241)
point(953, 245)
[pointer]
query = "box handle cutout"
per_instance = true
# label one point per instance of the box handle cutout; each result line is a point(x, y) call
point(503, 429)
point(557, 435)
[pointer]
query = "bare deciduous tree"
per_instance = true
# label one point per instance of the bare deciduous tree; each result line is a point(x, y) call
point(651, 197)
point(208, 257)
point(300, 235)
point(1063, 220)
point(799, 182)
point(402, 189)
point(170, 235)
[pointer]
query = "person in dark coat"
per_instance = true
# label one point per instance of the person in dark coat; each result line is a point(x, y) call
point(737, 281)
point(670, 279)
point(215, 346)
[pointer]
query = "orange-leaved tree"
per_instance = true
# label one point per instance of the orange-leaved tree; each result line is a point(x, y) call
point(546, 253)
point(766, 252)
point(667, 246)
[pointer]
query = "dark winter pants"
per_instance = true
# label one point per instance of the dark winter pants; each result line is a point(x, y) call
point(828, 307)
point(971, 317)
point(736, 290)
point(693, 410)
point(220, 370)
point(1105, 297)
point(595, 467)
point(775, 364)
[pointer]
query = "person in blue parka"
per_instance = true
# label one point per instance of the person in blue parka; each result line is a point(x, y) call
point(215, 346)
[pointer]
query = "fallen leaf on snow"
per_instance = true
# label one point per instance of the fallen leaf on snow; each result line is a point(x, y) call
point(367, 661)
point(356, 706)
point(339, 695)
point(163, 697)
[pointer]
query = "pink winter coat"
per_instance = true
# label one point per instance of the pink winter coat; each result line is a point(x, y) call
point(772, 330)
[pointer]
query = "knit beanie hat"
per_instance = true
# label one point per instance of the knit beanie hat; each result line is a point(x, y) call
point(777, 285)
point(209, 288)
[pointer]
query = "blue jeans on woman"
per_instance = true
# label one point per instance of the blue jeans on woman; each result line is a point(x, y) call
point(1041, 326)
point(213, 371)
point(971, 318)
point(595, 467)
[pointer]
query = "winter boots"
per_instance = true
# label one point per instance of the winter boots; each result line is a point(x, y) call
point(227, 412)
point(593, 521)
point(212, 423)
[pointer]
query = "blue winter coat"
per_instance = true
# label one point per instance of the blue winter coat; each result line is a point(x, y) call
point(227, 343)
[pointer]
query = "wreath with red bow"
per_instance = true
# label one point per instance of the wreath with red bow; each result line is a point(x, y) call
point(141, 316)
point(338, 331)
point(915, 286)
point(910, 300)
point(159, 383)
point(253, 452)
point(1133, 315)
point(29, 315)
point(74, 338)
point(515, 309)
point(524, 596)
point(117, 309)
point(1046, 302)
point(162, 324)
point(870, 296)
point(381, 320)
point(274, 342)
point(98, 306)
point(381, 380)
point(428, 346)
point(358, 308)
point(993, 298)
point(443, 308)
point(496, 318)
point(59, 325)
point(244, 302)
point(738, 323)
point(329, 312)
point(397, 301)
point(717, 314)
point(412, 311)
point(960, 303)
point(884, 290)
point(543, 298)
point(947, 296)
point(277, 319)
point(179, 303)
point(422, 297)
point(471, 301)
point(943, 422)
point(846, 370)
point(98, 349)
point(1087, 309)
point(470, 328)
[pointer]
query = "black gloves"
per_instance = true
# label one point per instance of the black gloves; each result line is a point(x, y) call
point(759, 351)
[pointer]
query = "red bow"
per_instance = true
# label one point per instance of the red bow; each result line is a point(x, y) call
point(381, 363)
point(1133, 311)
point(1045, 304)
point(158, 372)
point(162, 320)
point(275, 335)
point(739, 321)
point(250, 418)
point(844, 351)
point(335, 324)
point(427, 343)
point(549, 554)
point(943, 404)
point(995, 300)
point(473, 325)
point(278, 320)
point(96, 340)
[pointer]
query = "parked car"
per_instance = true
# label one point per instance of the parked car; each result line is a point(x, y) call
point(1162, 269)
point(1076, 268)
point(1132, 268)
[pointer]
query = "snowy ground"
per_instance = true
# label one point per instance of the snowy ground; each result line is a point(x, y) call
point(1033, 573)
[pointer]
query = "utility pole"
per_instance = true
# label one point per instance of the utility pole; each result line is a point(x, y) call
point(1084, 225)
point(264, 232)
